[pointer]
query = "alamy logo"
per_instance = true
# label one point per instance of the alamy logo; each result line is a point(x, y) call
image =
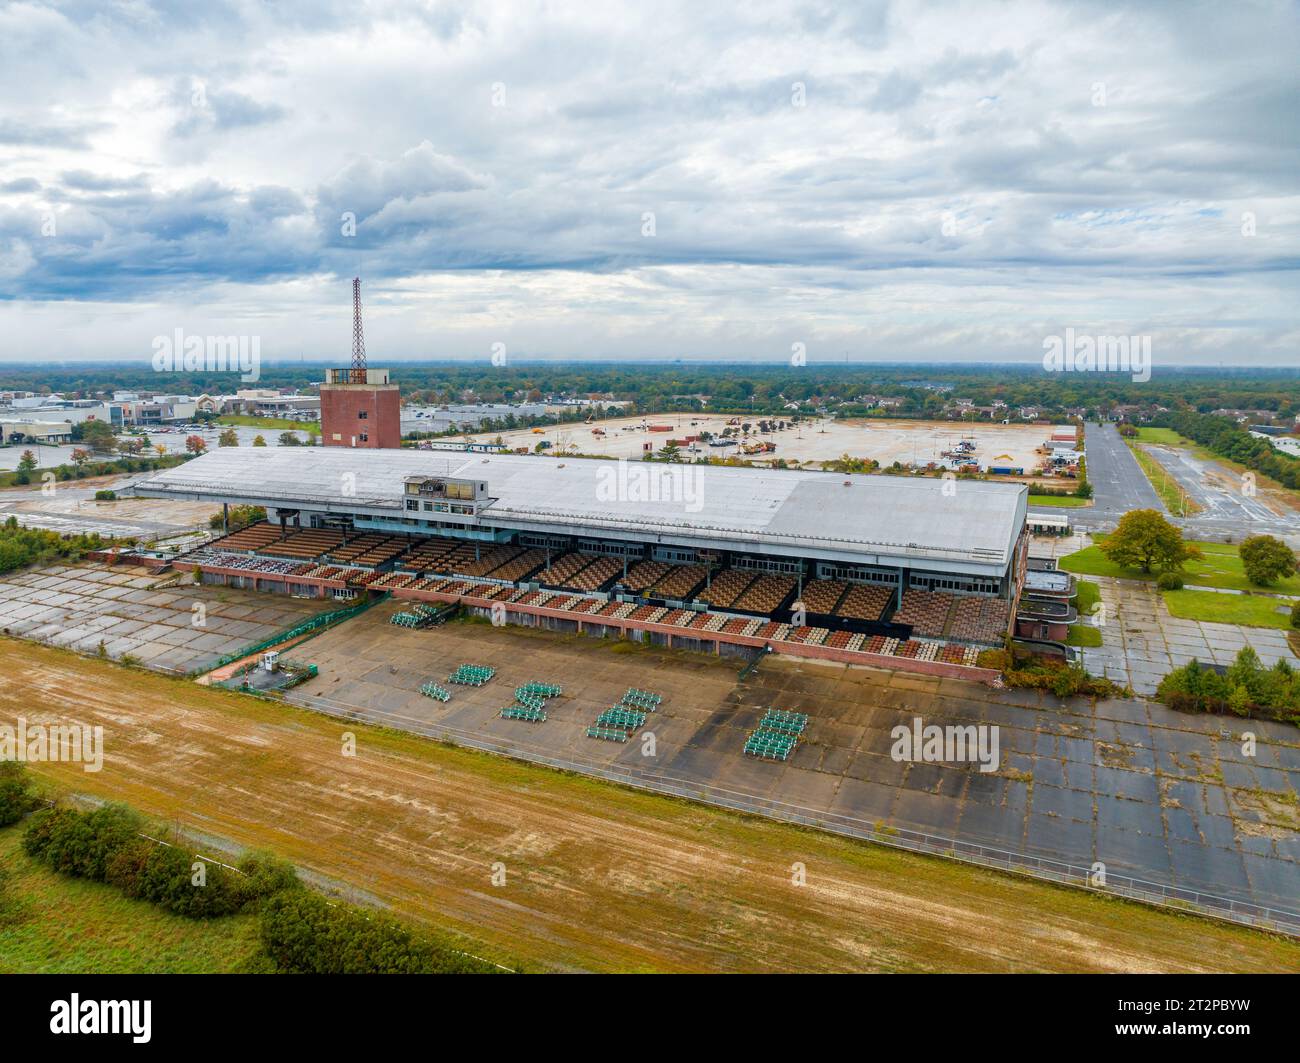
point(68, 743)
point(932, 744)
point(647, 482)
point(1081, 353)
point(179, 353)
point(132, 1017)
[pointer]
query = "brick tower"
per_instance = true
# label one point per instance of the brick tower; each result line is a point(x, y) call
point(358, 406)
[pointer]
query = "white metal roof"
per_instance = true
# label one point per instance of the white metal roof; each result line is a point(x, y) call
point(890, 517)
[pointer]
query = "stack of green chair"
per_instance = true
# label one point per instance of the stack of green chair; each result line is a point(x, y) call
point(432, 690)
point(523, 712)
point(641, 699)
point(790, 723)
point(543, 690)
point(532, 701)
point(770, 745)
point(610, 734)
point(627, 719)
point(472, 675)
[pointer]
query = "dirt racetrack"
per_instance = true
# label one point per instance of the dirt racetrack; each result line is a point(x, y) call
point(596, 877)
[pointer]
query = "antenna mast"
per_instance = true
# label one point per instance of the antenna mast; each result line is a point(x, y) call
point(358, 338)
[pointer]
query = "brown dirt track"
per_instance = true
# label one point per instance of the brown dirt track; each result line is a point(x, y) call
point(599, 877)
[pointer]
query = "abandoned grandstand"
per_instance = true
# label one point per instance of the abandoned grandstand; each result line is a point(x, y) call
point(903, 571)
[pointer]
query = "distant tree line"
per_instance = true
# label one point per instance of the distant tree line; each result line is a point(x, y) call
point(754, 388)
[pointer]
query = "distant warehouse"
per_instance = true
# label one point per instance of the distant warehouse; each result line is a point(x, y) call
point(911, 566)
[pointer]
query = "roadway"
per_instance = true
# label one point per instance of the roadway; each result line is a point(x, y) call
point(1120, 485)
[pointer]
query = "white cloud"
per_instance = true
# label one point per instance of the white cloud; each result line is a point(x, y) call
point(959, 179)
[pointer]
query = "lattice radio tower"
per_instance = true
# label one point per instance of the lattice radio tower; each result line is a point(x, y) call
point(358, 338)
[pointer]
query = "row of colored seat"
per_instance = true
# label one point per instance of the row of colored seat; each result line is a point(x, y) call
point(432, 690)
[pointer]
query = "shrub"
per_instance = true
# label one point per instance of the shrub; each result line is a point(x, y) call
point(1295, 616)
point(81, 843)
point(1169, 581)
point(303, 934)
point(16, 799)
point(167, 878)
point(266, 875)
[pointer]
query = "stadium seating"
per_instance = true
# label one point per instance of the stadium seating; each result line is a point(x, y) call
point(864, 601)
point(680, 582)
point(926, 612)
point(822, 595)
point(643, 575)
point(727, 587)
point(765, 594)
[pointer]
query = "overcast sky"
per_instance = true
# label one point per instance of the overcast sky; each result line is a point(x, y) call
point(877, 181)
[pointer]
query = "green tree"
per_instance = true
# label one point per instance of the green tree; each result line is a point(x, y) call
point(1266, 560)
point(259, 441)
point(26, 466)
point(228, 438)
point(98, 435)
point(1145, 540)
point(288, 439)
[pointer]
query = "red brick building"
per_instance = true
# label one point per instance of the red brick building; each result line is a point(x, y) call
point(360, 415)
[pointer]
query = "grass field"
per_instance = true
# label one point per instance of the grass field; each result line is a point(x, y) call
point(56, 924)
point(1087, 595)
point(1083, 635)
point(1061, 501)
point(274, 423)
point(1162, 435)
point(1174, 498)
point(1219, 566)
point(1248, 610)
point(599, 877)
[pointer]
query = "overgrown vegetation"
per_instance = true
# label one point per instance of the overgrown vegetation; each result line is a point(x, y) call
point(239, 517)
point(1246, 689)
point(300, 931)
point(1021, 668)
point(20, 547)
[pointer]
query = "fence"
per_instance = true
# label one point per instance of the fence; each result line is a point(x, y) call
point(316, 623)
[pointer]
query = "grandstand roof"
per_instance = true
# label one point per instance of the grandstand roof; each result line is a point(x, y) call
point(965, 525)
